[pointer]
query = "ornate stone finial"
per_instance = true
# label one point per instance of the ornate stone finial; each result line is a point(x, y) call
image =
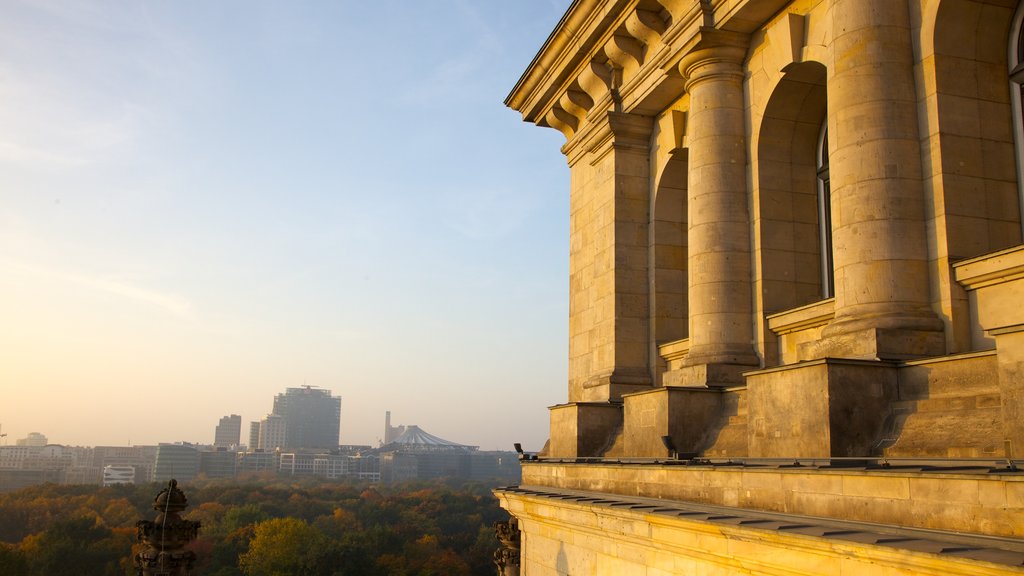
point(166, 537)
point(507, 558)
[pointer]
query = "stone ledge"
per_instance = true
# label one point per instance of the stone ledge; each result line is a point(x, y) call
point(996, 268)
point(658, 534)
point(962, 499)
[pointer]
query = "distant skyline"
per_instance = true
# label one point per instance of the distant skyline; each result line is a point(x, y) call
point(205, 203)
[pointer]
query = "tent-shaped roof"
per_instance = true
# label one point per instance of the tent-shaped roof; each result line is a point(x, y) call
point(415, 437)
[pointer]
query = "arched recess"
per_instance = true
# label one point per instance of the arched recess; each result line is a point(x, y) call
point(971, 128)
point(793, 241)
point(669, 320)
point(970, 167)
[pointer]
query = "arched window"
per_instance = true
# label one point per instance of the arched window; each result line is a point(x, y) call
point(825, 215)
point(1016, 65)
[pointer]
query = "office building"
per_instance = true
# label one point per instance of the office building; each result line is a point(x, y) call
point(273, 432)
point(228, 433)
point(177, 461)
point(312, 418)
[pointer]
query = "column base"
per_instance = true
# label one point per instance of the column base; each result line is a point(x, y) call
point(610, 386)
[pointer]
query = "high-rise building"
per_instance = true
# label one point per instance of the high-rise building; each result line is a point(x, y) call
point(254, 435)
point(312, 417)
point(228, 432)
point(796, 338)
point(272, 432)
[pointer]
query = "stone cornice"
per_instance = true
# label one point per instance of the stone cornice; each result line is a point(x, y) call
point(624, 55)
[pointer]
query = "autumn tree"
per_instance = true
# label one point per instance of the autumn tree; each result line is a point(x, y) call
point(12, 561)
point(286, 546)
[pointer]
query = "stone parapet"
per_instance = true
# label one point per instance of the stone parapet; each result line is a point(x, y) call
point(579, 532)
point(976, 501)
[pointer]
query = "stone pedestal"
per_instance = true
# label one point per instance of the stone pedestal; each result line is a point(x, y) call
point(583, 429)
point(819, 409)
point(687, 415)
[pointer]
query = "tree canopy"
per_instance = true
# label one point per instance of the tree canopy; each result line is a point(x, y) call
point(265, 528)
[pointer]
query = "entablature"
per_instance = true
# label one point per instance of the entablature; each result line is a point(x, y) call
point(623, 56)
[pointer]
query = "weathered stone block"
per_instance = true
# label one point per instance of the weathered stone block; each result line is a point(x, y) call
point(819, 409)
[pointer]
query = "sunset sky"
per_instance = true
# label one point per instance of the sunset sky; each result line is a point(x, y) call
point(203, 203)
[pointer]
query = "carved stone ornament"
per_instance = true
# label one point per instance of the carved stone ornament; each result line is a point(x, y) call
point(507, 558)
point(166, 537)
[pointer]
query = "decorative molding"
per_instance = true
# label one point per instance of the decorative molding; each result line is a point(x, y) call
point(990, 269)
point(802, 318)
point(674, 351)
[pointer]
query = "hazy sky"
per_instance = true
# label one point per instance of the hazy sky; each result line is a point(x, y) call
point(203, 203)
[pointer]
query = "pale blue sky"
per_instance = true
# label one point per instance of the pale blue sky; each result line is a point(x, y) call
point(203, 203)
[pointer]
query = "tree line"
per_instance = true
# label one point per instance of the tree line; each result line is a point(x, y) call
point(259, 528)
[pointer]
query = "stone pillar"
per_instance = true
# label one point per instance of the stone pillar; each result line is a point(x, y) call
point(608, 307)
point(719, 283)
point(609, 292)
point(881, 276)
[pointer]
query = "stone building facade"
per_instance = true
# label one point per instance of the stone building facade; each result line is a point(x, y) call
point(796, 289)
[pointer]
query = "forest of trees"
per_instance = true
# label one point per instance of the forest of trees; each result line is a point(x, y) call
point(267, 528)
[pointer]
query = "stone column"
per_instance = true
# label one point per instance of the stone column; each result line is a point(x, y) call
point(720, 299)
point(881, 276)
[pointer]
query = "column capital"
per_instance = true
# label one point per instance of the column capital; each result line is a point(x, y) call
point(716, 53)
point(614, 130)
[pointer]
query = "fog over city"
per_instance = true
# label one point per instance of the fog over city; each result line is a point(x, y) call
point(205, 203)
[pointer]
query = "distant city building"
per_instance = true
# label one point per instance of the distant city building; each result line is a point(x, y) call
point(391, 432)
point(272, 432)
point(296, 463)
point(118, 475)
point(419, 455)
point(254, 435)
point(312, 417)
point(228, 432)
point(257, 461)
point(177, 461)
point(33, 439)
point(141, 458)
point(219, 463)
